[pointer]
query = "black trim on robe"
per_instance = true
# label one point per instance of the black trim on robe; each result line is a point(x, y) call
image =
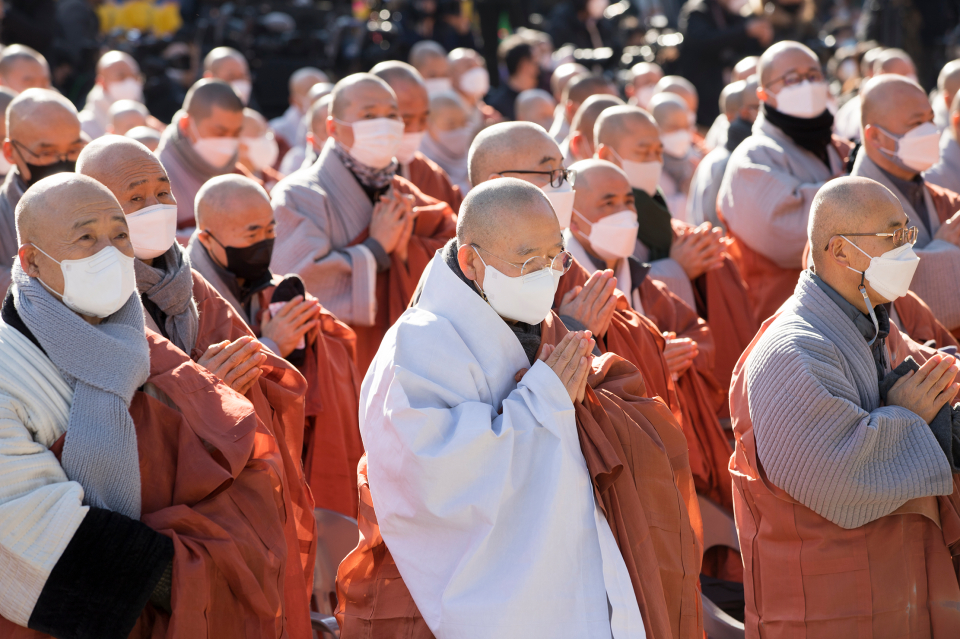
point(11, 317)
point(103, 580)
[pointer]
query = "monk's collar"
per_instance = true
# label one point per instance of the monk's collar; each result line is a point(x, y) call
point(861, 320)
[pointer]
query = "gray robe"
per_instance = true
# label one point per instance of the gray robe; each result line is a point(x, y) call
point(705, 186)
point(319, 212)
point(946, 172)
point(767, 191)
point(10, 194)
point(821, 433)
point(936, 278)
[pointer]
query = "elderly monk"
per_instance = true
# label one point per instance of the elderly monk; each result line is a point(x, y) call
point(430, 61)
point(579, 143)
point(43, 138)
point(6, 97)
point(290, 127)
point(118, 78)
point(145, 489)
point(680, 158)
point(231, 249)
point(23, 68)
point(145, 135)
point(448, 138)
point(691, 261)
point(559, 79)
point(472, 525)
point(229, 65)
point(124, 115)
point(772, 176)
point(356, 232)
point(702, 202)
point(643, 82)
point(185, 309)
point(535, 105)
point(846, 451)
point(413, 100)
point(602, 234)
point(202, 142)
point(900, 141)
point(946, 172)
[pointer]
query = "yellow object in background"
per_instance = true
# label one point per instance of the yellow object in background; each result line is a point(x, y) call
point(161, 17)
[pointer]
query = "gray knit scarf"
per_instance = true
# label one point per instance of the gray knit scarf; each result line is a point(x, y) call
point(171, 289)
point(104, 365)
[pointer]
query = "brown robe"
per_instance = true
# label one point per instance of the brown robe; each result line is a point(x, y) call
point(808, 577)
point(427, 176)
point(918, 321)
point(637, 459)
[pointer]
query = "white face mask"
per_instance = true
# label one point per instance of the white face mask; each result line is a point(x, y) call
point(805, 100)
point(644, 176)
point(475, 82)
point(128, 89)
point(890, 274)
point(437, 85)
point(644, 95)
point(595, 8)
point(918, 148)
point(98, 285)
point(262, 151)
point(615, 236)
point(243, 89)
point(409, 146)
point(525, 299)
point(153, 230)
point(375, 142)
point(562, 200)
point(455, 142)
point(677, 143)
point(217, 152)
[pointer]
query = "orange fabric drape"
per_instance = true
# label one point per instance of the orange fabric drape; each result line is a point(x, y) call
point(917, 321)
point(427, 176)
point(768, 285)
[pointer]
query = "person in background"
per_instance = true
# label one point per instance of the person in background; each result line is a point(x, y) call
point(258, 150)
point(582, 24)
point(577, 89)
point(537, 106)
point(448, 137)
point(302, 157)
point(202, 143)
point(430, 60)
point(716, 36)
point(579, 143)
point(745, 68)
point(948, 83)
point(43, 138)
point(22, 68)
point(559, 80)
point(643, 82)
point(413, 102)
point(717, 133)
point(887, 61)
point(946, 172)
point(702, 199)
point(229, 65)
point(291, 126)
point(469, 77)
point(684, 88)
point(145, 135)
point(523, 72)
point(6, 97)
point(680, 159)
point(124, 115)
point(118, 78)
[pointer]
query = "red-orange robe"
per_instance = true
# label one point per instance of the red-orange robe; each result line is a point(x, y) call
point(805, 576)
point(918, 321)
point(637, 459)
point(432, 180)
point(435, 224)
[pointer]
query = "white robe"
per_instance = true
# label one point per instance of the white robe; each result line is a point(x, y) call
point(481, 489)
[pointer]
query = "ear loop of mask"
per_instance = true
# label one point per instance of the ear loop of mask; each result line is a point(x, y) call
point(57, 295)
point(866, 298)
point(477, 286)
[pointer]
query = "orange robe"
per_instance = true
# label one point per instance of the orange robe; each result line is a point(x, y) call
point(807, 577)
point(435, 224)
point(427, 176)
point(946, 204)
point(637, 459)
point(918, 321)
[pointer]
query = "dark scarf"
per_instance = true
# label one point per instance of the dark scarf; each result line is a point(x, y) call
point(656, 231)
point(368, 177)
point(812, 134)
point(738, 131)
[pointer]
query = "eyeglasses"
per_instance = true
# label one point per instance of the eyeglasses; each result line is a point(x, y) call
point(906, 235)
point(561, 262)
point(50, 157)
point(557, 176)
point(791, 78)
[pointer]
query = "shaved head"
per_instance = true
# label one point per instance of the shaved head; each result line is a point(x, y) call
point(783, 57)
point(582, 87)
point(128, 168)
point(111, 58)
point(670, 111)
point(219, 197)
point(883, 98)
point(535, 105)
point(221, 60)
point(488, 211)
point(949, 80)
point(430, 59)
point(894, 61)
point(145, 135)
point(519, 146)
point(319, 90)
point(731, 98)
point(562, 75)
point(679, 86)
point(125, 115)
point(588, 113)
point(745, 68)
point(317, 116)
point(303, 79)
point(398, 74)
point(618, 121)
point(208, 93)
point(345, 90)
point(57, 200)
point(38, 107)
point(23, 68)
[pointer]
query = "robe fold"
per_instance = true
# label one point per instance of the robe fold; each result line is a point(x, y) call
point(636, 457)
point(432, 180)
point(331, 436)
point(806, 576)
point(917, 320)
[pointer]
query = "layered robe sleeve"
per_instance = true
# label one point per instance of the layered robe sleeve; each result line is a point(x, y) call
point(432, 180)
point(918, 321)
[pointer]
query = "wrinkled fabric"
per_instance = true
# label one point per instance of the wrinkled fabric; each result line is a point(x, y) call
point(171, 289)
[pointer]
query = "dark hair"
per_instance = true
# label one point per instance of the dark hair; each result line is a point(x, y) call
point(513, 51)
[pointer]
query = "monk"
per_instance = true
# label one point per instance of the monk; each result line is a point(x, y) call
point(563, 75)
point(845, 447)
point(290, 126)
point(471, 81)
point(429, 60)
point(201, 143)
point(230, 66)
point(118, 78)
point(881, 61)
point(43, 138)
point(448, 138)
point(510, 373)
point(23, 68)
point(692, 261)
point(124, 115)
point(892, 108)
point(682, 88)
point(948, 84)
point(234, 240)
point(6, 97)
point(643, 83)
point(579, 142)
point(535, 105)
point(414, 104)
point(946, 172)
point(772, 176)
point(301, 157)
point(182, 307)
point(358, 234)
point(148, 496)
point(680, 158)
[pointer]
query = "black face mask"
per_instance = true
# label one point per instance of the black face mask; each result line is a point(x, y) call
point(37, 173)
point(251, 263)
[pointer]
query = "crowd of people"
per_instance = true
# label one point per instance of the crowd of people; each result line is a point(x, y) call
point(538, 337)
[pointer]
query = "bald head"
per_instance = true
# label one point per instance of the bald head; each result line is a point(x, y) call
point(512, 146)
point(586, 117)
point(430, 59)
point(317, 117)
point(23, 68)
point(731, 98)
point(318, 91)
point(895, 61)
point(227, 64)
point(219, 199)
point(679, 86)
point(132, 173)
point(399, 75)
point(535, 105)
point(112, 59)
point(6, 97)
point(645, 76)
point(886, 100)
point(125, 115)
point(582, 87)
point(208, 94)
point(745, 68)
point(619, 121)
point(357, 88)
point(670, 112)
point(562, 76)
point(783, 57)
point(300, 83)
point(41, 121)
point(145, 135)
